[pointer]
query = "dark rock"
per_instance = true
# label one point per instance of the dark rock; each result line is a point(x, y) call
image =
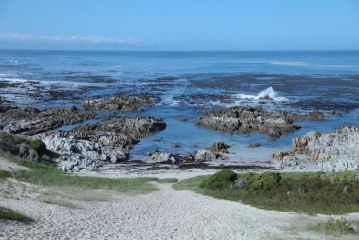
point(31, 121)
point(119, 103)
point(226, 101)
point(249, 119)
point(219, 147)
point(315, 116)
point(182, 118)
point(254, 145)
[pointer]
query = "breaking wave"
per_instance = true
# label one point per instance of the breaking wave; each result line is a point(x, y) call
point(266, 93)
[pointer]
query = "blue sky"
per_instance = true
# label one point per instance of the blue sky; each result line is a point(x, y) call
point(180, 25)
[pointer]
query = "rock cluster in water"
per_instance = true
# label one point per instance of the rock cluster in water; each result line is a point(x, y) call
point(119, 103)
point(338, 150)
point(91, 146)
point(218, 151)
point(30, 121)
point(252, 119)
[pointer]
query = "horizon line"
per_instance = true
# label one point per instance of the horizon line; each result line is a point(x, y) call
point(182, 50)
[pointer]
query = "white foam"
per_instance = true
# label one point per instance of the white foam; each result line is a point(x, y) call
point(168, 100)
point(289, 63)
point(7, 75)
point(268, 92)
point(14, 79)
point(15, 62)
point(307, 64)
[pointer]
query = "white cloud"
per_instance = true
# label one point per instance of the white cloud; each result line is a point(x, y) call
point(70, 39)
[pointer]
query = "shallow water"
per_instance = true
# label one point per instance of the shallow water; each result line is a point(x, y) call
point(189, 83)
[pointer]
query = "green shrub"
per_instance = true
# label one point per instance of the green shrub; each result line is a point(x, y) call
point(307, 192)
point(223, 179)
point(344, 177)
point(11, 215)
point(335, 227)
point(253, 181)
point(38, 146)
point(4, 174)
point(266, 181)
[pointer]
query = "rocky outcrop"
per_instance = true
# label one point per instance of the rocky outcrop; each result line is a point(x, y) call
point(91, 146)
point(219, 147)
point(203, 155)
point(248, 119)
point(254, 145)
point(216, 152)
point(119, 131)
point(254, 119)
point(82, 153)
point(119, 103)
point(181, 118)
point(338, 150)
point(31, 121)
point(169, 158)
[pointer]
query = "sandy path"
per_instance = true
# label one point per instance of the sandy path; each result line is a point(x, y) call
point(163, 214)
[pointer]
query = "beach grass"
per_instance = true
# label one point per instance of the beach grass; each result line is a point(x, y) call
point(305, 192)
point(167, 180)
point(49, 175)
point(334, 227)
point(11, 215)
point(57, 201)
point(4, 174)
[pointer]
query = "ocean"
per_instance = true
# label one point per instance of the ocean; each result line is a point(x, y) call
point(190, 83)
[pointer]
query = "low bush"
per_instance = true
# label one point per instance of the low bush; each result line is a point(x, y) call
point(38, 146)
point(311, 193)
point(345, 177)
point(265, 181)
point(221, 180)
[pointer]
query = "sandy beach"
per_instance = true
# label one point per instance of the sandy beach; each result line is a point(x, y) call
point(162, 214)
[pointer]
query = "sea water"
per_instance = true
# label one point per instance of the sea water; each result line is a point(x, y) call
point(190, 83)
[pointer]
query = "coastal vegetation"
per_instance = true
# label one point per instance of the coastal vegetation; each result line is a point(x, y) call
point(307, 192)
point(49, 175)
point(11, 215)
point(167, 180)
point(38, 146)
point(4, 174)
point(335, 227)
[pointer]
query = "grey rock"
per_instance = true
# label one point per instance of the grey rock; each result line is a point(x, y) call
point(338, 150)
point(33, 156)
point(24, 150)
point(204, 155)
point(92, 146)
point(162, 157)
